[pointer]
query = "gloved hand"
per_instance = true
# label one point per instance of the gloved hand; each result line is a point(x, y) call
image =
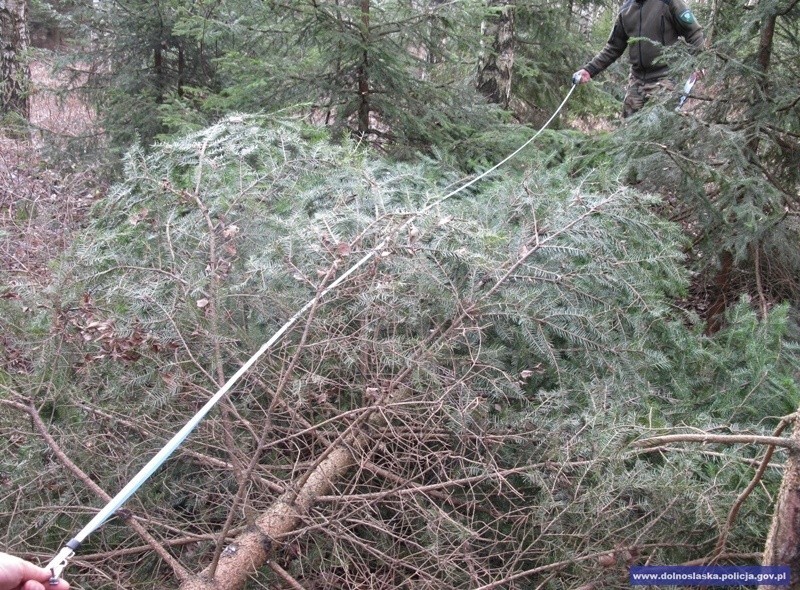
point(581, 77)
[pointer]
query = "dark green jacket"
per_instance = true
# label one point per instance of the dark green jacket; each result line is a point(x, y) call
point(660, 23)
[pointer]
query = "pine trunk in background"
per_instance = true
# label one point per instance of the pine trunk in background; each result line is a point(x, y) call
point(764, 57)
point(495, 69)
point(765, 43)
point(713, 16)
point(14, 73)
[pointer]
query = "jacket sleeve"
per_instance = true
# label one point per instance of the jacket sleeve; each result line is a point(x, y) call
point(686, 24)
point(615, 46)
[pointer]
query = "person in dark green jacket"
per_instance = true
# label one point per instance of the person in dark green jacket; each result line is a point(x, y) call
point(645, 27)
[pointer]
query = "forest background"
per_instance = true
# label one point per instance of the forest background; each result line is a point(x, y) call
point(585, 361)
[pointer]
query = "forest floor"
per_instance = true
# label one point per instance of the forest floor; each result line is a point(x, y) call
point(43, 198)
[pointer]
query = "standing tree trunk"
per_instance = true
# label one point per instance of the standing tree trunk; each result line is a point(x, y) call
point(14, 72)
point(726, 259)
point(363, 74)
point(764, 58)
point(783, 541)
point(494, 70)
point(158, 73)
point(765, 42)
point(713, 17)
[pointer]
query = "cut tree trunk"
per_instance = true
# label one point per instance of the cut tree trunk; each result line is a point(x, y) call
point(255, 547)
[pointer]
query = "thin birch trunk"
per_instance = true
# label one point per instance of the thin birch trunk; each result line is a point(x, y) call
point(14, 72)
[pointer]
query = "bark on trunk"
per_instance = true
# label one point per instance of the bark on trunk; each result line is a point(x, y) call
point(715, 318)
point(363, 74)
point(495, 69)
point(14, 72)
point(158, 73)
point(764, 57)
point(713, 18)
point(765, 42)
point(783, 542)
point(252, 549)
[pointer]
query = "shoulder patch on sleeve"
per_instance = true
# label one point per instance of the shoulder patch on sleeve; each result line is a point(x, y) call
point(687, 17)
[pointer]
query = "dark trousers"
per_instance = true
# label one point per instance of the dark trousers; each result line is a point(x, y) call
point(639, 92)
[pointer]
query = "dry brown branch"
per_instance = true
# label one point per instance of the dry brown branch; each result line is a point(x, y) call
point(262, 441)
point(180, 572)
point(178, 541)
point(735, 558)
point(782, 546)
point(253, 548)
point(214, 264)
point(411, 489)
point(284, 575)
point(197, 456)
point(540, 570)
point(595, 556)
point(747, 461)
point(762, 299)
point(724, 439)
point(737, 505)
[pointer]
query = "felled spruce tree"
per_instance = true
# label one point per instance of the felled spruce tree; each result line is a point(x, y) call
point(454, 415)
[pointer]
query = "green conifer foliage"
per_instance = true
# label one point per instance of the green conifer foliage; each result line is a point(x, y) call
point(141, 59)
point(511, 341)
point(394, 73)
point(415, 62)
point(548, 48)
point(729, 162)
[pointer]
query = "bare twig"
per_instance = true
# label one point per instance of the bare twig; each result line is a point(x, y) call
point(180, 572)
point(737, 505)
point(284, 575)
point(256, 455)
point(725, 439)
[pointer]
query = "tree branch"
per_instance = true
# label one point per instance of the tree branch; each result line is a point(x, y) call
point(284, 575)
point(737, 505)
point(180, 572)
point(725, 439)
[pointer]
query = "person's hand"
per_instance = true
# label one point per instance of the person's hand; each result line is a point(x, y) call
point(581, 77)
point(18, 574)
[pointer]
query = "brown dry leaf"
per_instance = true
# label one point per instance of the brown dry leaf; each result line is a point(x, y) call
point(231, 231)
point(343, 249)
point(138, 217)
